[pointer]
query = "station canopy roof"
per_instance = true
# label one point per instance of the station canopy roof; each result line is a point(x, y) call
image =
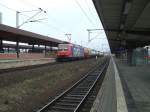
point(126, 22)
point(7, 45)
point(13, 34)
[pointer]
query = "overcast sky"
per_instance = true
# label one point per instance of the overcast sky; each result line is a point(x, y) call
point(63, 16)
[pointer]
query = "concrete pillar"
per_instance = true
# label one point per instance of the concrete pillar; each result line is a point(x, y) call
point(1, 46)
point(129, 56)
point(17, 49)
point(33, 48)
point(45, 50)
point(26, 50)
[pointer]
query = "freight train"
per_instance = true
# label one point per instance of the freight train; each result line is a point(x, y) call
point(74, 52)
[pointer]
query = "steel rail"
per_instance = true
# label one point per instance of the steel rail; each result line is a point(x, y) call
point(75, 92)
point(91, 88)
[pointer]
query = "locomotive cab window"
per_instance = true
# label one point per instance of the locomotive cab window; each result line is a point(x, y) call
point(63, 47)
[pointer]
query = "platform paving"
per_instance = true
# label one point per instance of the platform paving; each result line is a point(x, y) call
point(136, 86)
point(106, 98)
point(5, 64)
point(111, 96)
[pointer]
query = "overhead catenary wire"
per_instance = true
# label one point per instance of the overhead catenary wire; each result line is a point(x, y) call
point(11, 9)
point(96, 37)
point(89, 8)
point(33, 5)
point(54, 26)
point(85, 14)
point(86, 2)
point(51, 26)
point(29, 11)
point(29, 3)
point(54, 20)
point(90, 11)
point(46, 24)
point(8, 7)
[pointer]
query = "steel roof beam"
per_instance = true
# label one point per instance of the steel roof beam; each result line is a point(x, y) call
point(12, 34)
point(136, 32)
point(143, 4)
point(124, 13)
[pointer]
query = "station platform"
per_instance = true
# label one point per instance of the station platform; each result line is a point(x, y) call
point(110, 97)
point(125, 88)
point(13, 63)
point(136, 85)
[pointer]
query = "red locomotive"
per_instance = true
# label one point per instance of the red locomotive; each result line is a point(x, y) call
point(73, 52)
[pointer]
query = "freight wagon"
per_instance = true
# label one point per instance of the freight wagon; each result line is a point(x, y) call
point(73, 52)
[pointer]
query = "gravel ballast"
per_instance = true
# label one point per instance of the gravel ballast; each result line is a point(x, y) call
point(28, 90)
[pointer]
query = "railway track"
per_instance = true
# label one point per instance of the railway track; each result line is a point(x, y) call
point(6, 70)
point(73, 99)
